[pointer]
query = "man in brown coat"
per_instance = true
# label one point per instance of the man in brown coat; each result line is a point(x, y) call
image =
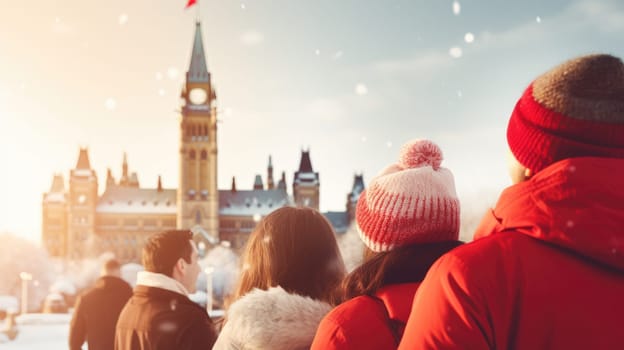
point(97, 310)
point(160, 315)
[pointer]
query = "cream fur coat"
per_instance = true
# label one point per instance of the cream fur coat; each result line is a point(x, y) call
point(271, 319)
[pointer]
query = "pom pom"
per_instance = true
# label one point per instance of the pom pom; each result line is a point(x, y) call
point(420, 153)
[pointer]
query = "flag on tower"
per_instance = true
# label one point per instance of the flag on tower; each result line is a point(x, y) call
point(190, 3)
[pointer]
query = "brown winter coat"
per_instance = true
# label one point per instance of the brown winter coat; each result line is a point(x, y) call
point(96, 312)
point(159, 319)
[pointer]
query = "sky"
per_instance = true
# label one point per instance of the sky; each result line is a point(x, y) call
point(351, 80)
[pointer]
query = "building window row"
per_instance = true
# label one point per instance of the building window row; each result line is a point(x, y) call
point(203, 155)
point(196, 130)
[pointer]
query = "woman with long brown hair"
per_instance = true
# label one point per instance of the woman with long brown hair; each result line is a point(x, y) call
point(408, 217)
point(291, 268)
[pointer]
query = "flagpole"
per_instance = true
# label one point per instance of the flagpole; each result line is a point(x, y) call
point(198, 10)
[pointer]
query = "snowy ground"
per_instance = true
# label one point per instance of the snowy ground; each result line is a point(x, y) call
point(40, 332)
point(47, 332)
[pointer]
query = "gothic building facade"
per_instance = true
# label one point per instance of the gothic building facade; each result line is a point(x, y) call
point(78, 223)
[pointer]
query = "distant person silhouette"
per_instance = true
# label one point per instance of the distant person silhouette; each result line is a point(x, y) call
point(291, 267)
point(159, 315)
point(546, 269)
point(407, 217)
point(97, 310)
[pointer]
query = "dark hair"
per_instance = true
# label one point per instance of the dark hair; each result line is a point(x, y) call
point(401, 265)
point(163, 250)
point(112, 265)
point(296, 249)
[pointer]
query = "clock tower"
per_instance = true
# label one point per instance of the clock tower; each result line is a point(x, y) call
point(197, 196)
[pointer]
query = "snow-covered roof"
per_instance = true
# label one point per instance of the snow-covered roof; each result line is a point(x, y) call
point(251, 202)
point(132, 200)
point(307, 176)
point(82, 172)
point(54, 197)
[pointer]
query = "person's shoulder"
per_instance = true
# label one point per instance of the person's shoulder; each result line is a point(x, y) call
point(490, 247)
point(353, 312)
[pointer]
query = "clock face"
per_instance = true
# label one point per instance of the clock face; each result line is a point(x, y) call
point(198, 96)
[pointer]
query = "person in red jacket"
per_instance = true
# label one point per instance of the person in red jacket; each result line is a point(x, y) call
point(408, 217)
point(546, 270)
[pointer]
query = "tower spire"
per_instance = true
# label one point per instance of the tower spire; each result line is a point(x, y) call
point(198, 70)
point(124, 166)
point(83, 159)
point(270, 182)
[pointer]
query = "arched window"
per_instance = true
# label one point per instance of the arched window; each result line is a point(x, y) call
point(204, 155)
point(197, 217)
point(205, 130)
point(189, 131)
point(192, 154)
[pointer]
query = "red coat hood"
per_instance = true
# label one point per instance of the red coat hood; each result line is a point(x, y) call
point(577, 204)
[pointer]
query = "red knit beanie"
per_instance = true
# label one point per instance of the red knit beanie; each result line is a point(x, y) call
point(413, 201)
point(574, 110)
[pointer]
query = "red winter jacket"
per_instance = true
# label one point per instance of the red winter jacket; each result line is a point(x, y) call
point(548, 272)
point(362, 323)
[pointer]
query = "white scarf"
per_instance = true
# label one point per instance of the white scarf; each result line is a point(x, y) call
point(158, 280)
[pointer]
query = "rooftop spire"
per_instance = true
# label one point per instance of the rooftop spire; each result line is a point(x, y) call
point(159, 188)
point(110, 180)
point(305, 166)
point(270, 183)
point(124, 166)
point(198, 70)
point(83, 160)
point(57, 184)
point(258, 183)
point(282, 182)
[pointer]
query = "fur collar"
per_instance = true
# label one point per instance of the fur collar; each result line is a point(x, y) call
point(158, 280)
point(271, 319)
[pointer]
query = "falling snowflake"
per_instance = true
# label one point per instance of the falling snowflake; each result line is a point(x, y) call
point(257, 217)
point(246, 266)
point(57, 20)
point(167, 326)
point(456, 52)
point(161, 92)
point(123, 18)
point(266, 239)
point(317, 52)
point(110, 104)
point(364, 139)
point(389, 144)
point(459, 94)
point(337, 55)
point(243, 6)
point(456, 8)
point(469, 38)
point(159, 76)
point(173, 304)
point(538, 19)
point(361, 89)
point(570, 223)
point(172, 73)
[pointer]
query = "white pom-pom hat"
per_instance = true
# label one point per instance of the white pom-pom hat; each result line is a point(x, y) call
point(412, 201)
